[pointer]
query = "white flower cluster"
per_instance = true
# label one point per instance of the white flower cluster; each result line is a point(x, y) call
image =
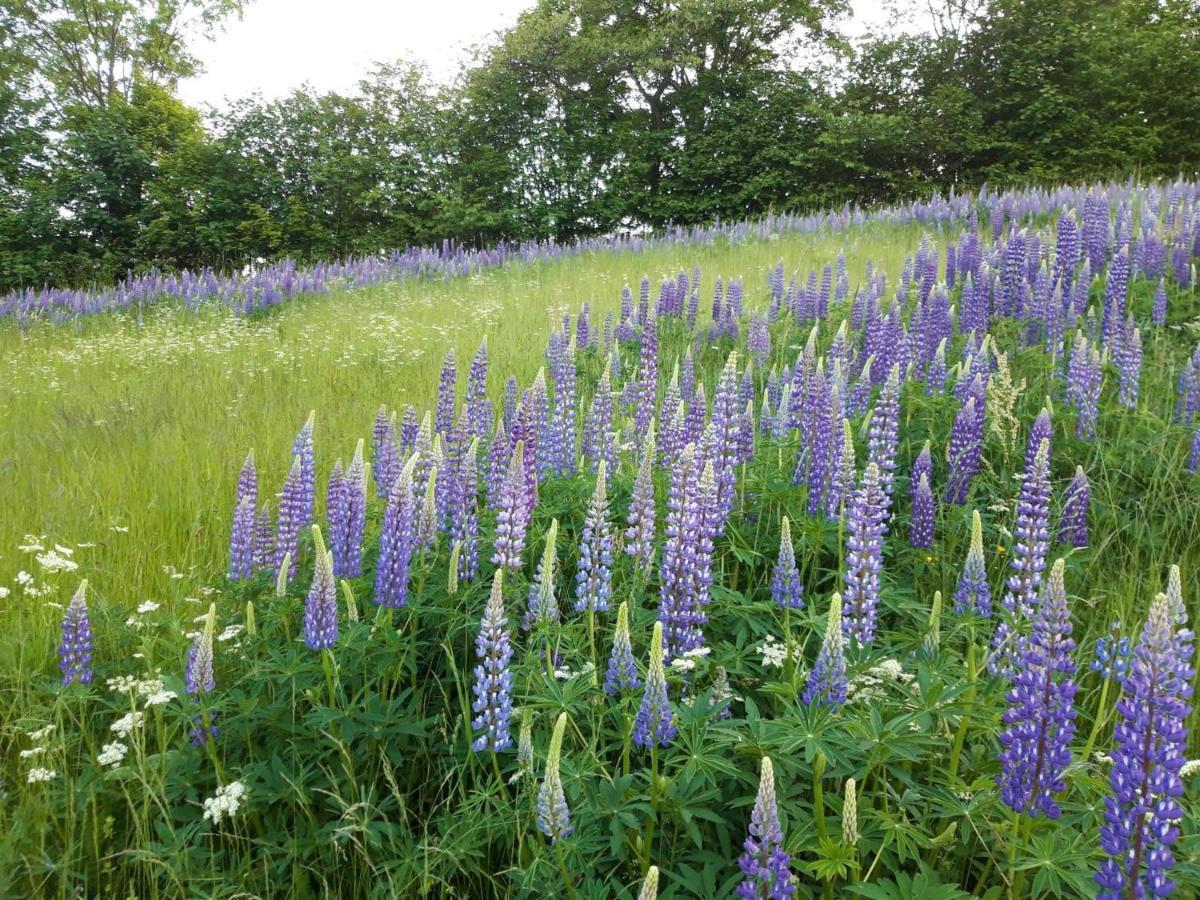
point(774, 652)
point(112, 754)
point(1189, 768)
point(564, 673)
point(127, 724)
point(57, 560)
point(871, 684)
point(687, 662)
point(40, 774)
point(225, 804)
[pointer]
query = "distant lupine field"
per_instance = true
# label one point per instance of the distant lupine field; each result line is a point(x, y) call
point(843, 555)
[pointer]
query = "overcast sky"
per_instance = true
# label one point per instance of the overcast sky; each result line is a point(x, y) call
point(280, 44)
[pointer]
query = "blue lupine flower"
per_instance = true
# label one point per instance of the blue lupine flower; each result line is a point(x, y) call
point(655, 722)
point(320, 607)
point(553, 816)
point(621, 675)
point(75, 648)
point(493, 678)
point(827, 684)
point(786, 587)
point(766, 867)
point(593, 575)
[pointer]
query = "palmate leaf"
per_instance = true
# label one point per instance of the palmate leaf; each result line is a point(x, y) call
point(923, 885)
point(834, 860)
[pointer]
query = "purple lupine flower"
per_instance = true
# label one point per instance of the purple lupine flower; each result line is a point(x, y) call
point(247, 485)
point(553, 816)
point(198, 675)
point(766, 867)
point(827, 684)
point(478, 406)
point(639, 536)
point(241, 540)
point(1113, 652)
point(924, 511)
point(864, 540)
point(336, 505)
point(397, 540)
point(973, 594)
point(264, 538)
point(1031, 543)
point(303, 449)
point(593, 574)
point(511, 400)
point(966, 444)
point(673, 436)
point(786, 588)
point(1158, 314)
point(320, 607)
point(512, 513)
point(385, 455)
point(1073, 526)
point(726, 419)
point(347, 559)
point(583, 328)
point(562, 460)
point(599, 436)
point(497, 463)
point(1129, 364)
point(532, 428)
point(1041, 430)
point(885, 430)
point(1194, 456)
point(1040, 719)
point(542, 605)
point(493, 677)
point(291, 518)
point(621, 675)
point(693, 425)
point(655, 722)
point(75, 647)
point(817, 443)
point(1150, 741)
point(464, 506)
point(842, 482)
point(625, 330)
point(1115, 290)
point(447, 389)
point(685, 572)
point(758, 339)
point(647, 378)
point(1084, 377)
point(922, 465)
point(409, 431)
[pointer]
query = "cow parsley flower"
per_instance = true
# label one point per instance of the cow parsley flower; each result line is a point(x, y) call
point(225, 804)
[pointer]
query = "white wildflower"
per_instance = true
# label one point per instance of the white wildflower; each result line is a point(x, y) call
point(33, 544)
point(121, 684)
point(161, 697)
point(149, 686)
point(113, 754)
point(65, 551)
point(24, 578)
point(125, 725)
point(120, 529)
point(56, 562)
point(225, 804)
point(41, 732)
point(4, 592)
point(41, 774)
point(32, 751)
point(698, 652)
point(683, 663)
point(1189, 768)
point(146, 606)
point(231, 632)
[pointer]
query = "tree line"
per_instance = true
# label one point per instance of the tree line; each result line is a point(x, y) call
point(587, 116)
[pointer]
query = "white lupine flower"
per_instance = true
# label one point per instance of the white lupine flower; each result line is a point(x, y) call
point(40, 774)
point(225, 804)
point(112, 754)
point(125, 725)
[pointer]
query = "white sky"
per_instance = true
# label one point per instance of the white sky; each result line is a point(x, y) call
point(279, 45)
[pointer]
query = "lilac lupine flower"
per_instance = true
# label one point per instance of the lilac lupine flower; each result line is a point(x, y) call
point(686, 556)
point(512, 513)
point(639, 536)
point(885, 430)
point(447, 389)
point(1113, 652)
point(1129, 364)
point(583, 328)
point(827, 684)
point(464, 515)
point(842, 482)
point(478, 406)
point(291, 518)
point(819, 453)
point(1158, 314)
point(726, 416)
point(758, 339)
point(786, 588)
point(542, 606)
point(497, 463)
point(493, 677)
point(864, 540)
point(673, 436)
point(347, 557)
point(1150, 741)
point(1073, 526)
point(75, 648)
point(647, 378)
point(973, 594)
point(511, 401)
point(1040, 719)
point(385, 455)
point(1115, 290)
point(397, 540)
point(621, 675)
point(1194, 456)
point(264, 538)
point(409, 432)
point(924, 511)
point(335, 505)
point(655, 722)
point(533, 427)
point(241, 540)
point(625, 330)
point(962, 454)
point(766, 867)
point(593, 574)
point(693, 425)
point(1041, 430)
point(1031, 543)
point(303, 449)
point(320, 607)
point(561, 455)
point(599, 435)
point(922, 465)
point(687, 377)
point(427, 514)
point(553, 816)
point(198, 671)
point(1085, 377)
point(247, 485)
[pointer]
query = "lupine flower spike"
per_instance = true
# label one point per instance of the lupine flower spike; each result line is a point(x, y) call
point(621, 675)
point(593, 575)
point(198, 672)
point(786, 588)
point(973, 594)
point(850, 833)
point(827, 684)
point(75, 649)
point(767, 869)
point(649, 889)
point(320, 609)
point(553, 816)
point(868, 506)
point(493, 678)
point(655, 722)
